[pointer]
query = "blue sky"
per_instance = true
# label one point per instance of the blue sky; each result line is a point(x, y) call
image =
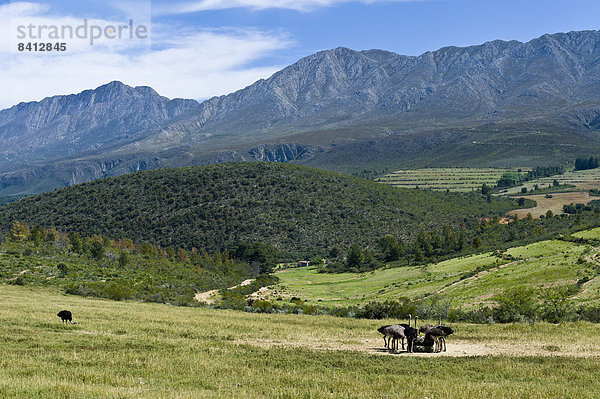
point(201, 48)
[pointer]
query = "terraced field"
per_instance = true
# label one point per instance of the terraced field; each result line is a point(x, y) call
point(453, 179)
point(466, 282)
point(583, 180)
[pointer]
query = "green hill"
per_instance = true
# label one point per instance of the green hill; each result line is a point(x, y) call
point(299, 210)
point(462, 283)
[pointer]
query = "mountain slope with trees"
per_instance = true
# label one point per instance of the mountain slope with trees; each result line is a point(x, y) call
point(299, 210)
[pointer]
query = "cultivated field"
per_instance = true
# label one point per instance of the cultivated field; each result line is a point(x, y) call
point(453, 179)
point(466, 282)
point(137, 350)
point(554, 204)
point(581, 179)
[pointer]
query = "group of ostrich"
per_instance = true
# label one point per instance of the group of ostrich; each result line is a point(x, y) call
point(434, 338)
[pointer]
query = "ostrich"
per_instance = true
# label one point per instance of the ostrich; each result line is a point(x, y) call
point(410, 334)
point(395, 332)
point(387, 334)
point(398, 333)
point(426, 343)
point(438, 333)
point(66, 317)
point(407, 327)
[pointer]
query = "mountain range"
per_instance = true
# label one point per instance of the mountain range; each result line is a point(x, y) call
point(502, 103)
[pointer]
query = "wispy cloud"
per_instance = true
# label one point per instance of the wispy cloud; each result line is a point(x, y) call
point(192, 62)
point(298, 5)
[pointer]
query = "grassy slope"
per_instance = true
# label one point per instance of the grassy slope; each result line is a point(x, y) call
point(149, 278)
point(134, 350)
point(537, 265)
point(299, 210)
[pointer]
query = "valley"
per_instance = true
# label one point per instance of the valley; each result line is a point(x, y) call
point(251, 244)
point(461, 283)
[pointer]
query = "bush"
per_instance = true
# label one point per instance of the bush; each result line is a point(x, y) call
point(63, 269)
point(18, 281)
point(515, 304)
point(387, 310)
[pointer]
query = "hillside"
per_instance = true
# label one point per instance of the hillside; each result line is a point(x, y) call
point(498, 104)
point(462, 283)
point(299, 210)
point(117, 270)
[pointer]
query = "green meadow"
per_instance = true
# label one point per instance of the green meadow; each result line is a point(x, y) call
point(465, 282)
point(140, 350)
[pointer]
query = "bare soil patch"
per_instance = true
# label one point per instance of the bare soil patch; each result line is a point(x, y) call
point(209, 296)
point(455, 348)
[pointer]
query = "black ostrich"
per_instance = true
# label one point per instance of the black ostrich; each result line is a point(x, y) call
point(66, 317)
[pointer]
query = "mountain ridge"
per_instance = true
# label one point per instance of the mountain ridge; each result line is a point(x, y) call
point(362, 109)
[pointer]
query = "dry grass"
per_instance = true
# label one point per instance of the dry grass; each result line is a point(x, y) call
point(554, 204)
point(136, 350)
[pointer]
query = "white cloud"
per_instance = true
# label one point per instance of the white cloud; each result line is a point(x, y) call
point(198, 63)
point(298, 5)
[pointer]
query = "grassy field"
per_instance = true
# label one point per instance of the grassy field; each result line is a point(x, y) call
point(592, 234)
point(453, 179)
point(465, 282)
point(137, 350)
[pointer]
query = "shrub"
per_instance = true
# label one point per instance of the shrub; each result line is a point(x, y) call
point(515, 304)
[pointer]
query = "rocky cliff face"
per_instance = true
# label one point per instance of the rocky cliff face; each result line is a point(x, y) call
point(342, 87)
point(91, 120)
point(339, 109)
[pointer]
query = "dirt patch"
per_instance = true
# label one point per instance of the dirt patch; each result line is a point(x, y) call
point(258, 294)
point(209, 297)
point(206, 297)
point(455, 348)
point(554, 204)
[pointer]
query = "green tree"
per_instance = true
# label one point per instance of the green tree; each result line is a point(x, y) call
point(97, 249)
point(391, 248)
point(515, 304)
point(19, 231)
point(62, 268)
point(335, 252)
point(123, 259)
point(485, 189)
point(37, 236)
point(76, 244)
point(355, 256)
point(264, 254)
point(556, 303)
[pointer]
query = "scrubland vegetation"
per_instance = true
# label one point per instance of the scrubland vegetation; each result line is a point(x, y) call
point(301, 211)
